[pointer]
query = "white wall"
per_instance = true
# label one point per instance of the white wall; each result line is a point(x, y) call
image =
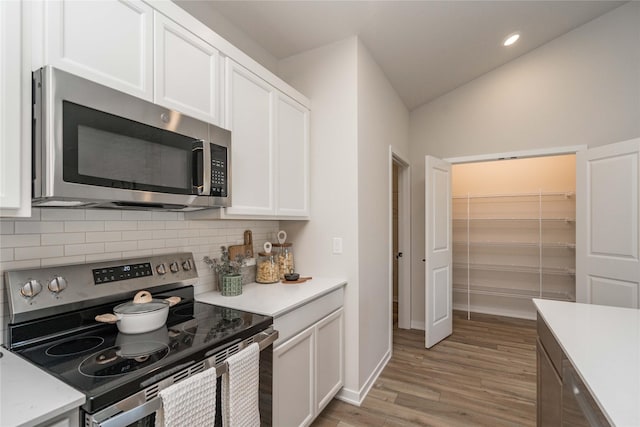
point(383, 120)
point(327, 76)
point(69, 236)
point(355, 116)
point(581, 88)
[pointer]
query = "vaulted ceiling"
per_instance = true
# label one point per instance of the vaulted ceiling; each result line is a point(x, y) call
point(425, 48)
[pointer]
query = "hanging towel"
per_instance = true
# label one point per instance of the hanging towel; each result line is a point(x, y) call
point(240, 389)
point(188, 403)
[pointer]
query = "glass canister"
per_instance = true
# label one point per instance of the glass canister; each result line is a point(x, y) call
point(267, 270)
point(284, 253)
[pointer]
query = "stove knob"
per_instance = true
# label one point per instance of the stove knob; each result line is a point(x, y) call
point(161, 269)
point(57, 284)
point(31, 288)
point(174, 267)
point(186, 266)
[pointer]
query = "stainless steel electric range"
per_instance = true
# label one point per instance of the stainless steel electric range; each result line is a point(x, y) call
point(52, 325)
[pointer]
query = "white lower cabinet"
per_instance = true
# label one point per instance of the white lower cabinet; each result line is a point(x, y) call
point(308, 370)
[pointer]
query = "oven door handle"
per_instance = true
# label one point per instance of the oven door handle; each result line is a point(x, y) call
point(263, 339)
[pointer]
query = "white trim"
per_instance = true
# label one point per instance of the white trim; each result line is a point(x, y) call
point(417, 324)
point(357, 397)
point(539, 152)
point(404, 240)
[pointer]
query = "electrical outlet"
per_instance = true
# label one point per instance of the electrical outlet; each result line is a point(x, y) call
point(337, 245)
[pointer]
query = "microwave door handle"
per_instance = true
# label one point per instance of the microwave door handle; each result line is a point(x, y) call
point(206, 169)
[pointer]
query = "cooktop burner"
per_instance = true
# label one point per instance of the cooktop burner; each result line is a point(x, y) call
point(74, 346)
point(121, 360)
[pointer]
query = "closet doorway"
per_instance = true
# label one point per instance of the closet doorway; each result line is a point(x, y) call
point(513, 234)
point(400, 242)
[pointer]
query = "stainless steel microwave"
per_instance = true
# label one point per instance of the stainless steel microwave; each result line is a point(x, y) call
point(97, 147)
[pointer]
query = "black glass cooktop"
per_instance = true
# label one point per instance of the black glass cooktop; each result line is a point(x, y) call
point(107, 365)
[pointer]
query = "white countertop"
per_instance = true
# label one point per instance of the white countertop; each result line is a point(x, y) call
point(274, 299)
point(29, 396)
point(603, 344)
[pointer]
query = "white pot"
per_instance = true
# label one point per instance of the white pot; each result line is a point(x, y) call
point(141, 315)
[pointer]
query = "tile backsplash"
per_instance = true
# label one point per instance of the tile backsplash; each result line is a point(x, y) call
point(72, 236)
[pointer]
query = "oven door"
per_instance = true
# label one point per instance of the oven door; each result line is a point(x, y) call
point(140, 409)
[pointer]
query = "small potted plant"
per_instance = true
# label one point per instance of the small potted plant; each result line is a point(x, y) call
point(228, 271)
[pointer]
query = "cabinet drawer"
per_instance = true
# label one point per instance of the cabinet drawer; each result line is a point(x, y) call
point(301, 318)
point(551, 346)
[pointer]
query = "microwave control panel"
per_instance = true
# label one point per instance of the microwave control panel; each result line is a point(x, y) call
point(219, 171)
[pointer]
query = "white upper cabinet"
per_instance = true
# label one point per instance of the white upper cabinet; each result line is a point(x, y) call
point(106, 41)
point(292, 140)
point(249, 111)
point(187, 71)
point(15, 94)
point(270, 150)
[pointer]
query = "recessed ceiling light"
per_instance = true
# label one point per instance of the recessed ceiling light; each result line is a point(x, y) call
point(511, 39)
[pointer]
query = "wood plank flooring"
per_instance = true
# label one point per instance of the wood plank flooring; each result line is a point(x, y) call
point(482, 375)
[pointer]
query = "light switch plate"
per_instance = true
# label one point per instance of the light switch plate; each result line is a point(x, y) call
point(337, 245)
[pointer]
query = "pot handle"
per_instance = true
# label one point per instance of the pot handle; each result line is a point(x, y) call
point(142, 297)
point(173, 300)
point(107, 318)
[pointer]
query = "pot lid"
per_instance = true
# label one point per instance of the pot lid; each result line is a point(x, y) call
point(139, 308)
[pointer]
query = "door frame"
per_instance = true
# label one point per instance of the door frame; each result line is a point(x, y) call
point(540, 152)
point(404, 241)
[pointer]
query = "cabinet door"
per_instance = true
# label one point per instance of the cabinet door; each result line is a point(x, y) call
point(107, 41)
point(15, 110)
point(187, 71)
point(293, 381)
point(292, 141)
point(549, 391)
point(329, 358)
point(249, 109)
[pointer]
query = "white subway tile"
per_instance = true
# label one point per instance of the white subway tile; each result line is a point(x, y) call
point(38, 252)
point(188, 233)
point(198, 241)
point(21, 240)
point(6, 254)
point(151, 225)
point(6, 226)
point(65, 260)
point(177, 242)
point(62, 238)
point(120, 225)
point(103, 215)
point(71, 226)
point(165, 234)
point(164, 216)
point(86, 249)
point(39, 227)
point(104, 257)
point(102, 236)
point(54, 214)
point(121, 246)
point(139, 235)
point(19, 265)
point(136, 216)
point(176, 225)
point(137, 254)
point(151, 244)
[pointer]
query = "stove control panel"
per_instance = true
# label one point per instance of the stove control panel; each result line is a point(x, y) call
point(37, 292)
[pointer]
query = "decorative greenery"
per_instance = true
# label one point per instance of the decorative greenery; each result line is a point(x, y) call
point(225, 265)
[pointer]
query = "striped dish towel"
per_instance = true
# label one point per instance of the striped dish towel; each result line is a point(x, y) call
point(191, 402)
point(240, 389)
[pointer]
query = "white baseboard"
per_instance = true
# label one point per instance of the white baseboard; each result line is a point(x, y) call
point(356, 398)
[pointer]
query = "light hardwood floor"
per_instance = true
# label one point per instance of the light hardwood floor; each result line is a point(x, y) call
point(482, 375)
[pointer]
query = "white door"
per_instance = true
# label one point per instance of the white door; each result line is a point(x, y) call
point(438, 289)
point(607, 265)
